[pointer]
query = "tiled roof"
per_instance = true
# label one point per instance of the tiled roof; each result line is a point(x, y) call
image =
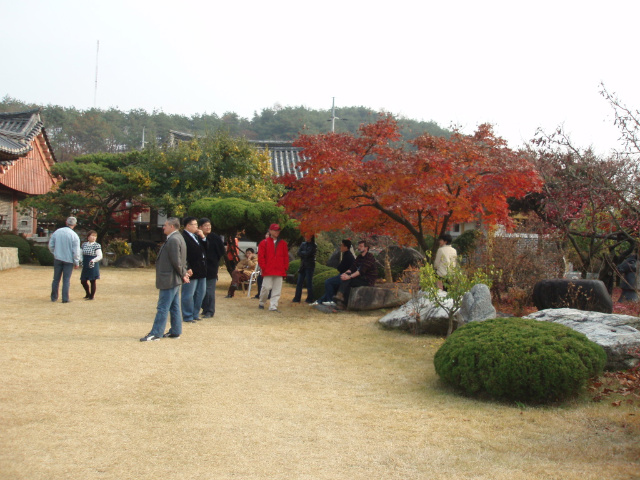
point(17, 130)
point(284, 156)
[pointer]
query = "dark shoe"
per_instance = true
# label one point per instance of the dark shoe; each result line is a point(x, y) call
point(189, 321)
point(208, 315)
point(228, 296)
point(295, 301)
point(170, 335)
point(261, 307)
point(257, 296)
point(149, 338)
point(66, 301)
point(88, 298)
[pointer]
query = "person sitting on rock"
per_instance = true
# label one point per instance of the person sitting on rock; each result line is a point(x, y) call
point(332, 284)
point(243, 271)
point(362, 273)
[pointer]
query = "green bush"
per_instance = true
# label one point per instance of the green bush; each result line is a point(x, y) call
point(519, 359)
point(294, 266)
point(24, 249)
point(43, 255)
point(319, 279)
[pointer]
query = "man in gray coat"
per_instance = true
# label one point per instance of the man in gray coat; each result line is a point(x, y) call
point(171, 273)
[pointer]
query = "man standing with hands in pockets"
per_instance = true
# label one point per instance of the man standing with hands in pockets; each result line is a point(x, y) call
point(171, 273)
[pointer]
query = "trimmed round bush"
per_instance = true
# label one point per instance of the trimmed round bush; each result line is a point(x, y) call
point(43, 255)
point(24, 249)
point(319, 279)
point(519, 359)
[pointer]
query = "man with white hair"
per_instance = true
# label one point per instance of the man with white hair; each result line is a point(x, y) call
point(65, 246)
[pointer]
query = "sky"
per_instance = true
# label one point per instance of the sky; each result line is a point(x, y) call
point(518, 65)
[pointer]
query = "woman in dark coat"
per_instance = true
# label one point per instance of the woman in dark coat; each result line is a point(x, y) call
point(307, 253)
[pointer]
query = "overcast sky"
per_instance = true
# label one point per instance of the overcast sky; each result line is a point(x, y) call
point(518, 65)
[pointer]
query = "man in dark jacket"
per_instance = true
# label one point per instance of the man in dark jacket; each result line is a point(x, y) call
point(171, 272)
point(628, 281)
point(362, 273)
point(194, 291)
point(332, 284)
point(214, 251)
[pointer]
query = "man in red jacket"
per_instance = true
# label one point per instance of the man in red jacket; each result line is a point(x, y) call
point(273, 258)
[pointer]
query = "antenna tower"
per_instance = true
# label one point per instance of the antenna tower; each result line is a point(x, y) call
point(95, 91)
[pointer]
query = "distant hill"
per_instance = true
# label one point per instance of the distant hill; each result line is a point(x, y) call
point(74, 132)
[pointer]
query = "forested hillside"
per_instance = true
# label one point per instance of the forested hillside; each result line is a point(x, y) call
point(74, 132)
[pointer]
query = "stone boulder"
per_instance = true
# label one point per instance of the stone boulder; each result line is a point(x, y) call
point(419, 315)
point(588, 295)
point(476, 305)
point(400, 258)
point(130, 261)
point(617, 334)
point(375, 298)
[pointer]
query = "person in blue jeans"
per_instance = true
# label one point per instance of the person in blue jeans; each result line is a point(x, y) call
point(193, 293)
point(332, 284)
point(64, 244)
point(307, 254)
point(171, 273)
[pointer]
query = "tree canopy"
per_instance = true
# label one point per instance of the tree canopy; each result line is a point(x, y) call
point(377, 182)
point(95, 187)
point(74, 132)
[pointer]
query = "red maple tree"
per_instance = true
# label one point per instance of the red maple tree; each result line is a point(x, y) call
point(373, 182)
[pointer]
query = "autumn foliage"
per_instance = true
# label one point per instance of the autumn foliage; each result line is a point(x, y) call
point(374, 182)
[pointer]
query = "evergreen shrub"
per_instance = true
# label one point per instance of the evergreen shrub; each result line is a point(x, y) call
point(319, 279)
point(24, 249)
point(519, 359)
point(43, 255)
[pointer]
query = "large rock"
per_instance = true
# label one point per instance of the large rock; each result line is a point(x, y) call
point(617, 334)
point(400, 258)
point(588, 295)
point(374, 298)
point(419, 315)
point(476, 305)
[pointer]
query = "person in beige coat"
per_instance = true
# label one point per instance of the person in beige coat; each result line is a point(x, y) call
point(171, 273)
point(446, 256)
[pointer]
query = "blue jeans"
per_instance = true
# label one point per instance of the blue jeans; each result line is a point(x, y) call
point(64, 270)
point(209, 301)
point(192, 296)
point(304, 274)
point(168, 302)
point(331, 286)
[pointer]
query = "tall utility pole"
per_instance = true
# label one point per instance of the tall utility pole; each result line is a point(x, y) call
point(95, 91)
point(333, 115)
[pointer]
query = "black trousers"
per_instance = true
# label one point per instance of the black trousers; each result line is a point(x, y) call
point(347, 285)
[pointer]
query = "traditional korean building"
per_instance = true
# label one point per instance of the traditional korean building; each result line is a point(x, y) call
point(284, 156)
point(26, 158)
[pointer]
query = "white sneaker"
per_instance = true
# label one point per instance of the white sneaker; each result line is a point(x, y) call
point(329, 304)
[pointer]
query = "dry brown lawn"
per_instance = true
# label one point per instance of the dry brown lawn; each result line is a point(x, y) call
point(252, 394)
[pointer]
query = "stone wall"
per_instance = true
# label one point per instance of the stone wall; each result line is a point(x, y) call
point(8, 258)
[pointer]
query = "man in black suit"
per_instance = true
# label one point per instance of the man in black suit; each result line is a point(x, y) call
point(214, 251)
point(194, 291)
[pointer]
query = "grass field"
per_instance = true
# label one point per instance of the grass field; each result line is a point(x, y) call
point(252, 394)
